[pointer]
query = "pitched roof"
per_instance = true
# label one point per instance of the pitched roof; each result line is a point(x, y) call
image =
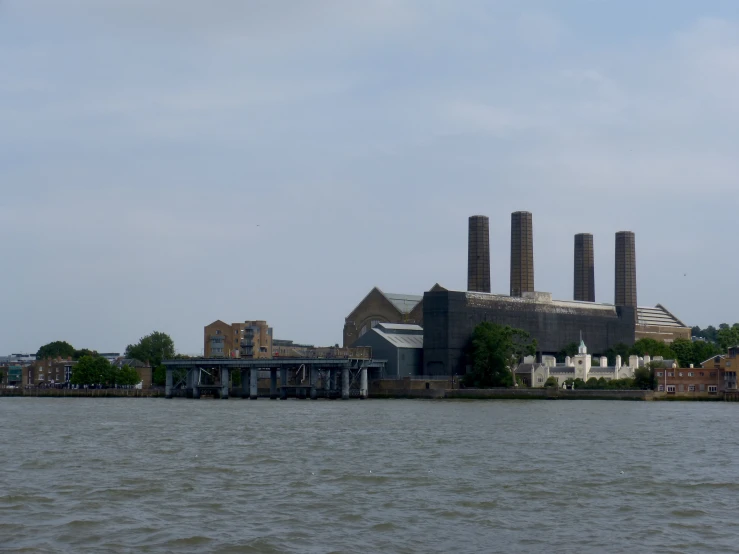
point(659, 316)
point(401, 340)
point(404, 303)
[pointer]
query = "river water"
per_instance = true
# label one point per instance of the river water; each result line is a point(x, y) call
point(154, 475)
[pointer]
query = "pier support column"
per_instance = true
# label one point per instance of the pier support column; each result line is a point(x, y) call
point(168, 383)
point(313, 382)
point(333, 381)
point(244, 383)
point(283, 383)
point(273, 383)
point(345, 383)
point(363, 383)
point(195, 382)
point(253, 383)
point(188, 383)
point(327, 383)
point(225, 383)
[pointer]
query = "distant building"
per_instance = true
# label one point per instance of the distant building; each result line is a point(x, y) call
point(581, 367)
point(401, 345)
point(381, 307)
point(48, 372)
point(250, 339)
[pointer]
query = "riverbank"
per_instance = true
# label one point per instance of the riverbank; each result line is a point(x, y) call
point(409, 393)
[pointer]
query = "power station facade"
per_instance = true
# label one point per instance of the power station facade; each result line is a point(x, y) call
point(449, 317)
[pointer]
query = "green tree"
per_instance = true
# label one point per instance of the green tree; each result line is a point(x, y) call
point(551, 383)
point(683, 350)
point(152, 349)
point(728, 336)
point(652, 348)
point(702, 351)
point(56, 349)
point(644, 378)
point(83, 352)
point(494, 350)
point(127, 376)
point(91, 370)
point(620, 349)
point(159, 376)
point(569, 350)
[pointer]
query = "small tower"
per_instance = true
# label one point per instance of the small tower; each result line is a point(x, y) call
point(582, 362)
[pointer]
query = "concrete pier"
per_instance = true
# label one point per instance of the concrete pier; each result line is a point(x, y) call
point(168, 383)
point(313, 383)
point(345, 383)
point(195, 381)
point(253, 383)
point(225, 383)
point(299, 377)
point(283, 383)
point(244, 383)
point(273, 384)
point(334, 381)
point(363, 388)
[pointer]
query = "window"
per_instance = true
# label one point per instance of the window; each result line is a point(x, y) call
point(680, 374)
point(540, 379)
point(680, 388)
point(728, 364)
point(218, 331)
point(374, 323)
point(659, 374)
point(671, 374)
point(690, 374)
point(661, 388)
point(702, 374)
point(713, 374)
point(691, 388)
point(711, 388)
point(703, 388)
point(670, 388)
point(363, 331)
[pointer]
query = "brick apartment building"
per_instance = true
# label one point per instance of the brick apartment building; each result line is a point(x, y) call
point(249, 339)
point(715, 375)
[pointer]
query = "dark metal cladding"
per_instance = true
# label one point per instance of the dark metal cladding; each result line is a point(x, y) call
point(478, 254)
point(625, 294)
point(584, 268)
point(450, 317)
point(522, 253)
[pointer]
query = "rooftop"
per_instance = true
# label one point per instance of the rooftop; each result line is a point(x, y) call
point(400, 339)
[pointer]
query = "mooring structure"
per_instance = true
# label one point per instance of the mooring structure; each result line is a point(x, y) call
point(288, 377)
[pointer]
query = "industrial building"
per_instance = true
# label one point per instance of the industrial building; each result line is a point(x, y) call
point(399, 345)
point(449, 317)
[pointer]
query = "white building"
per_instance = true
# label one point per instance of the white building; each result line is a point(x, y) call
point(580, 367)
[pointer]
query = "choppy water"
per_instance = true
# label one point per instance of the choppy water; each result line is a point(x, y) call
point(150, 475)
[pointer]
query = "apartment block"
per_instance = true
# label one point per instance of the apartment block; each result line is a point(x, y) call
point(248, 339)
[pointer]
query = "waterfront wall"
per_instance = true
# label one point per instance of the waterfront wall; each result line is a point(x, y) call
point(551, 394)
point(86, 393)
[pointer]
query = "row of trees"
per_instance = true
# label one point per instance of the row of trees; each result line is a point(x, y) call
point(95, 370)
point(725, 336)
point(91, 369)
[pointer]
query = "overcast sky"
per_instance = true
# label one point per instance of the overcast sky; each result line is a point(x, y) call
point(165, 164)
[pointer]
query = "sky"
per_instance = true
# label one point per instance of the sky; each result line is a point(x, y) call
point(166, 164)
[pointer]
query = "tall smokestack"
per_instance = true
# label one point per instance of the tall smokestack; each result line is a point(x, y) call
point(478, 254)
point(522, 253)
point(625, 269)
point(584, 268)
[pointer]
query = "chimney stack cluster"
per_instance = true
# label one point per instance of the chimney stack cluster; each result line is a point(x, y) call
point(522, 261)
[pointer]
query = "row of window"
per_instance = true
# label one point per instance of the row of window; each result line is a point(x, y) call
point(690, 374)
point(689, 388)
